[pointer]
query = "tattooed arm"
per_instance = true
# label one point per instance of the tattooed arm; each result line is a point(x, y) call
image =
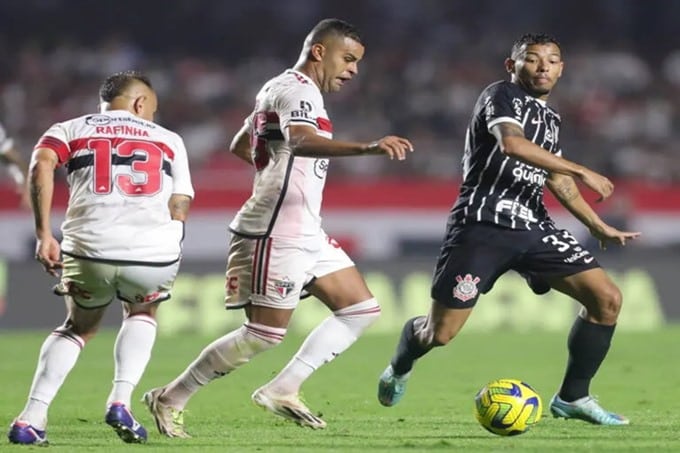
point(565, 190)
point(511, 138)
point(41, 183)
point(179, 206)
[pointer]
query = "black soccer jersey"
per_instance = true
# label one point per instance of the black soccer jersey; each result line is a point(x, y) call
point(496, 188)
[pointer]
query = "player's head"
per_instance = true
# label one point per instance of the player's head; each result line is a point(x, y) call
point(331, 53)
point(131, 91)
point(535, 63)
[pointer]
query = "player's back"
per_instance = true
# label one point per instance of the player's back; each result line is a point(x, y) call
point(121, 172)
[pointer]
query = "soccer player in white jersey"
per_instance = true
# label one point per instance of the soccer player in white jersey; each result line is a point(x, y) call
point(130, 191)
point(278, 247)
point(16, 165)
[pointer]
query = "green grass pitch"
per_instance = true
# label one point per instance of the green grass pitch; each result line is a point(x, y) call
point(640, 379)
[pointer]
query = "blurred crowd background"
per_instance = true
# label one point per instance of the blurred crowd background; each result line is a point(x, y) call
point(425, 64)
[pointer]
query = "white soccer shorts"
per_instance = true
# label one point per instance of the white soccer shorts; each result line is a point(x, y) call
point(272, 271)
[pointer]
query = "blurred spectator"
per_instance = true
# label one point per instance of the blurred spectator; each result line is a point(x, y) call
point(428, 61)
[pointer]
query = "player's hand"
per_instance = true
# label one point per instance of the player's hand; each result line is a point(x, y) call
point(48, 253)
point(598, 183)
point(607, 234)
point(393, 146)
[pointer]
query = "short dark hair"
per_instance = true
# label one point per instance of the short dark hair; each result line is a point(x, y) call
point(337, 27)
point(115, 84)
point(529, 39)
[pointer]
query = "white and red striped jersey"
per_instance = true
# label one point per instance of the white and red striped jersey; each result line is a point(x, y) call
point(6, 143)
point(121, 172)
point(287, 190)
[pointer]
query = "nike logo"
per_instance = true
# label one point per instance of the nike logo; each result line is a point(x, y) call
point(588, 260)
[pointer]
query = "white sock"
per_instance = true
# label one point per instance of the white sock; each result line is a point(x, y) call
point(328, 340)
point(220, 358)
point(131, 354)
point(58, 355)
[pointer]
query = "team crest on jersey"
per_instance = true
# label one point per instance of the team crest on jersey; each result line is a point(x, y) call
point(466, 288)
point(284, 286)
point(97, 120)
point(320, 168)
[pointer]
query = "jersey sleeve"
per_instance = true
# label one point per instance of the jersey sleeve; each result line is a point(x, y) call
point(300, 105)
point(56, 139)
point(6, 143)
point(503, 106)
point(181, 177)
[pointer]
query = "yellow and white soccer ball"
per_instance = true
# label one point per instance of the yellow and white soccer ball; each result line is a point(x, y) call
point(508, 407)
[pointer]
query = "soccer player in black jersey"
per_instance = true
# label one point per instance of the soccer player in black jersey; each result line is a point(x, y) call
point(499, 222)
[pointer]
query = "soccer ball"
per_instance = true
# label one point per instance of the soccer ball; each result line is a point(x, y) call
point(507, 407)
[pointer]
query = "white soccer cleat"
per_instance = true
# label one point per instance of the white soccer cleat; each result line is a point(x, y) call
point(289, 407)
point(170, 421)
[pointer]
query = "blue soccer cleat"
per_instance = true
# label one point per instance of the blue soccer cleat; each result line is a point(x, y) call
point(24, 433)
point(121, 420)
point(391, 388)
point(586, 408)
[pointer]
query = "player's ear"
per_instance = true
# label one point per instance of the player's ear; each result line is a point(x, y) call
point(317, 51)
point(139, 104)
point(510, 65)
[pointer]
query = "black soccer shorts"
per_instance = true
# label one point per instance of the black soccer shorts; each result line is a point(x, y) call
point(473, 256)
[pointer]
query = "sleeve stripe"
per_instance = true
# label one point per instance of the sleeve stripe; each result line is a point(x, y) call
point(503, 119)
point(55, 145)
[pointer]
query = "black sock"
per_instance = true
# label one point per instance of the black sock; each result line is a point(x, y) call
point(588, 344)
point(409, 349)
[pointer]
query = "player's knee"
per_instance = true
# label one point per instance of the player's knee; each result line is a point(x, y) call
point(610, 301)
point(258, 337)
point(82, 330)
point(441, 338)
point(67, 332)
point(359, 317)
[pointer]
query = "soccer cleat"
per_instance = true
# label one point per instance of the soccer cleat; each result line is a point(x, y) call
point(289, 407)
point(24, 433)
point(586, 408)
point(170, 421)
point(121, 420)
point(391, 388)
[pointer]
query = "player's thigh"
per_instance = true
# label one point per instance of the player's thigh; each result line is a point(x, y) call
point(268, 272)
point(471, 260)
point(335, 280)
point(89, 284)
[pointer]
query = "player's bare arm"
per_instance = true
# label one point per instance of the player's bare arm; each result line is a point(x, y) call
point(304, 141)
point(41, 180)
point(515, 144)
point(179, 206)
point(240, 145)
point(567, 193)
